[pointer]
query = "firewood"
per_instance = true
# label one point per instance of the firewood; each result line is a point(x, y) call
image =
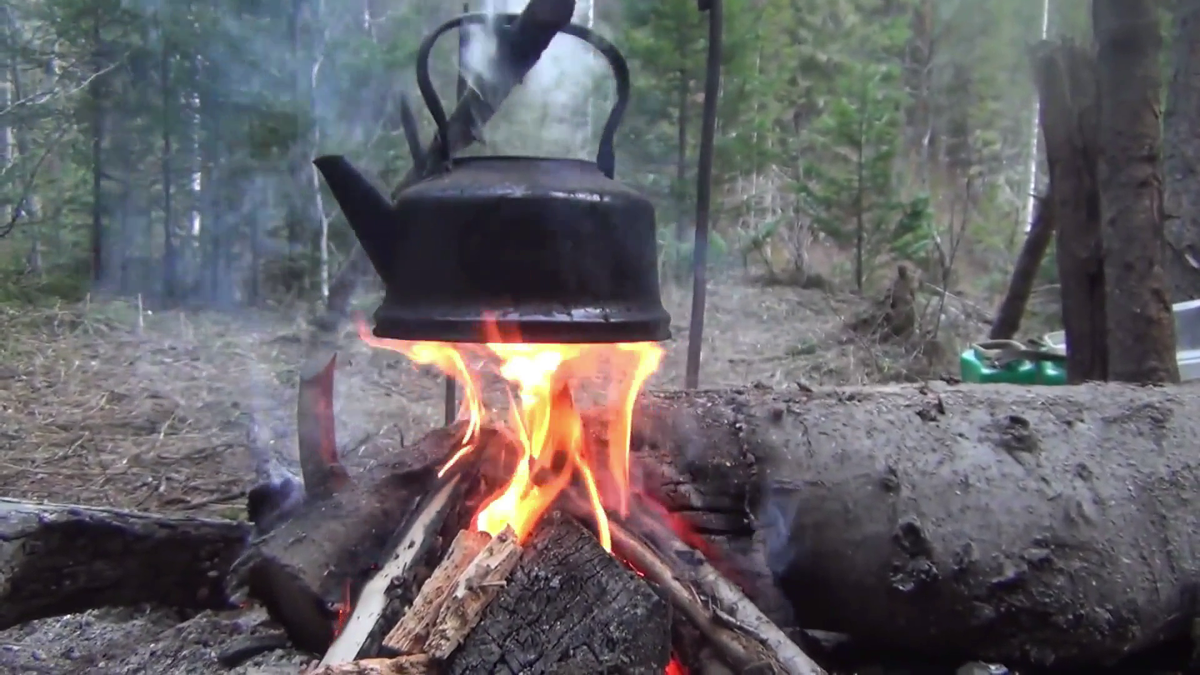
point(475, 589)
point(327, 550)
point(372, 602)
point(568, 606)
point(687, 566)
point(417, 664)
point(320, 467)
point(61, 559)
point(409, 636)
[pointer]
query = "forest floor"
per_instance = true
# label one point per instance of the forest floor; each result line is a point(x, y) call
point(95, 411)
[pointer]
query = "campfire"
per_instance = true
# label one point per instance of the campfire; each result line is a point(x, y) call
point(531, 546)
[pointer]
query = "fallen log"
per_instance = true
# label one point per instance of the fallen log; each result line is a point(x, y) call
point(1046, 525)
point(57, 559)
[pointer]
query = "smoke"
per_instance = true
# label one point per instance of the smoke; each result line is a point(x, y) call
point(559, 108)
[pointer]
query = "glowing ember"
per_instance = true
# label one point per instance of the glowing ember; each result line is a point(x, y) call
point(544, 419)
point(675, 668)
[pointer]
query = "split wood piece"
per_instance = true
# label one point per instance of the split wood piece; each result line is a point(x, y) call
point(327, 549)
point(569, 606)
point(409, 636)
point(475, 589)
point(58, 559)
point(320, 467)
point(417, 664)
point(419, 536)
point(982, 514)
point(739, 649)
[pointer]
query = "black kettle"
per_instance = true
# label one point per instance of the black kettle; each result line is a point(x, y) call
point(550, 250)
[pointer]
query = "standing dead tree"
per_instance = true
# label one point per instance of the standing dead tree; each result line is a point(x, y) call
point(1020, 286)
point(1141, 327)
point(1065, 74)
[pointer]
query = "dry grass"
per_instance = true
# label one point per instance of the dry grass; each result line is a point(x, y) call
point(92, 411)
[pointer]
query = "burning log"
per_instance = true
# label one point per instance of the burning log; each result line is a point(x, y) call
point(59, 559)
point(327, 550)
point(560, 603)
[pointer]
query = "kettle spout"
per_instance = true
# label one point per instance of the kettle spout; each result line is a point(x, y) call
point(366, 209)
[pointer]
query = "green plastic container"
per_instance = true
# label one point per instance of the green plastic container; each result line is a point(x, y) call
point(984, 362)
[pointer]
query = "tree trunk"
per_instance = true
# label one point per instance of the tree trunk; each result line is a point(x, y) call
point(97, 92)
point(1141, 327)
point(1020, 286)
point(681, 222)
point(1066, 82)
point(1181, 160)
point(170, 254)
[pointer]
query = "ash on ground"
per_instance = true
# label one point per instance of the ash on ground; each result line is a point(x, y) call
point(139, 641)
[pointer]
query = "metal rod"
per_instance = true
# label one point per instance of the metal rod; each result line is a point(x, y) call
point(451, 400)
point(708, 129)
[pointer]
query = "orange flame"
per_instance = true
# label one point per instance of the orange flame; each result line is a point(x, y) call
point(544, 418)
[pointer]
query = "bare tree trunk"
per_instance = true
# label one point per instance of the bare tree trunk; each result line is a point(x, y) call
point(1181, 161)
point(97, 95)
point(170, 255)
point(1066, 82)
point(681, 224)
point(1141, 327)
point(1020, 287)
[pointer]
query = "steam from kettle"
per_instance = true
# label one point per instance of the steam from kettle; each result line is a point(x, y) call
point(549, 113)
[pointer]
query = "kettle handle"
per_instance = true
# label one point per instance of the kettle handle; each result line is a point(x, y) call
point(605, 156)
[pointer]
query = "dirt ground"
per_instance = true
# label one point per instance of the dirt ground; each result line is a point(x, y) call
point(94, 410)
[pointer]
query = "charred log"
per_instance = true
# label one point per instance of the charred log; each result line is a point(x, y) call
point(568, 607)
point(304, 569)
point(58, 559)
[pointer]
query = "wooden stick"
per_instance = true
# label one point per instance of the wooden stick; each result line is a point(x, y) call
point(410, 634)
point(478, 585)
point(320, 467)
point(732, 605)
point(373, 599)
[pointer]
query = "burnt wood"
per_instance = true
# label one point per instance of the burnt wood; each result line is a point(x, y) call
point(304, 568)
point(568, 607)
point(57, 559)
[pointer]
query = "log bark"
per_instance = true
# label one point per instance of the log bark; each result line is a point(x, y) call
point(57, 559)
point(1029, 260)
point(568, 607)
point(323, 554)
point(1065, 74)
point(984, 522)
